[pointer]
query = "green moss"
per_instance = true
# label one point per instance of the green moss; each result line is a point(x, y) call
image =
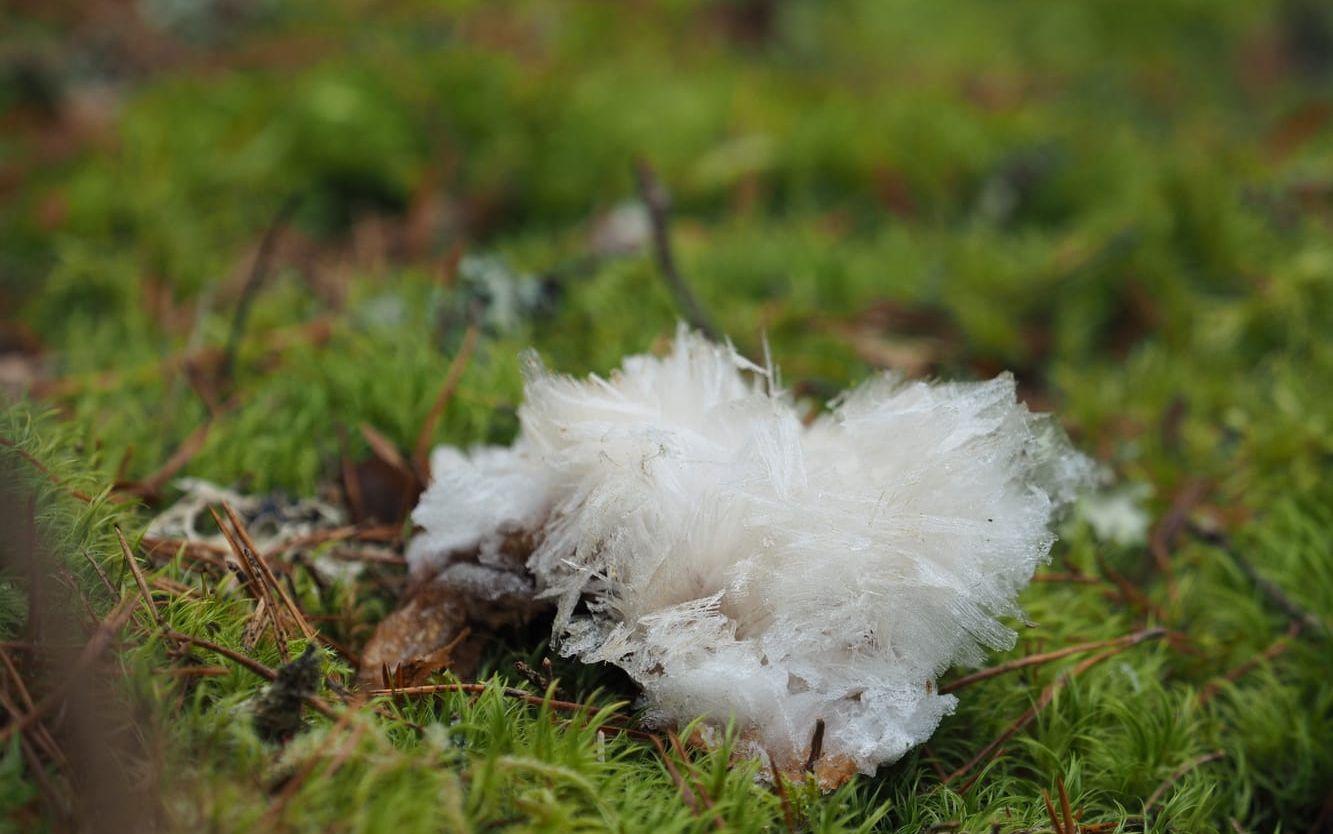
point(1122, 203)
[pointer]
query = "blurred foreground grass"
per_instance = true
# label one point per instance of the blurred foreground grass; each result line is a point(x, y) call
point(1129, 204)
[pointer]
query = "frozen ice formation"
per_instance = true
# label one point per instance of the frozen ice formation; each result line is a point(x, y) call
point(742, 565)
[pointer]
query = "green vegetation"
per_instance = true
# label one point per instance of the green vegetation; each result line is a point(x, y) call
point(1128, 203)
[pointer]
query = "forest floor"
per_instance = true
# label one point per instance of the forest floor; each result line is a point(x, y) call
point(258, 244)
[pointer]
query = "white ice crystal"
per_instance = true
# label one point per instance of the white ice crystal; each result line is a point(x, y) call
point(741, 565)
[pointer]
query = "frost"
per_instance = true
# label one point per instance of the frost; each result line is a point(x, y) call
point(741, 565)
point(1117, 515)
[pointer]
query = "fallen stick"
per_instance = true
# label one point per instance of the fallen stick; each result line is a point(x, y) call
point(1047, 657)
point(1270, 589)
point(658, 203)
point(1177, 775)
point(144, 590)
point(92, 650)
point(459, 364)
point(1047, 695)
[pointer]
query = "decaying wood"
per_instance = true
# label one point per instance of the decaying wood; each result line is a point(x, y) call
point(422, 636)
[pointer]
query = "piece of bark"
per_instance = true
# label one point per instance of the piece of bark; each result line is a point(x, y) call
point(442, 620)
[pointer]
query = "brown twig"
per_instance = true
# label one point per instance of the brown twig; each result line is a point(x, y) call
point(479, 688)
point(658, 202)
point(262, 565)
point(780, 788)
point(209, 554)
point(1047, 695)
point(144, 590)
point(421, 456)
point(1066, 576)
point(699, 789)
point(691, 801)
point(152, 485)
point(1064, 806)
point(318, 704)
point(1047, 657)
point(1275, 649)
point(101, 574)
point(41, 467)
point(1270, 589)
point(1177, 775)
point(1165, 533)
point(265, 605)
point(1131, 594)
point(258, 272)
point(44, 737)
point(248, 662)
point(511, 692)
point(92, 650)
point(816, 746)
point(1050, 812)
point(378, 533)
point(200, 672)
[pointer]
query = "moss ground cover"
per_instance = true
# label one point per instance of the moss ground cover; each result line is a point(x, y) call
point(1127, 204)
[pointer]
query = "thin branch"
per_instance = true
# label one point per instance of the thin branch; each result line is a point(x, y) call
point(658, 201)
point(816, 746)
point(1047, 657)
point(101, 574)
point(1266, 586)
point(258, 272)
point(92, 650)
point(292, 608)
point(152, 485)
point(698, 786)
point(259, 589)
point(511, 692)
point(1177, 775)
point(1066, 576)
point(459, 364)
point(380, 533)
point(41, 467)
point(479, 688)
point(1050, 812)
point(144, 590)
point(1128, 591)
point(780, 789)
point(1277, 648)
point(1030, 714)
point(1165, 532)
point(318, 704)
point(686, 793)
point(1064, 806)
point(44, 737)
point(248, 662)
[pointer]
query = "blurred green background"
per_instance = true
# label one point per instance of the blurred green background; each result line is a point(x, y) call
point(1128, 203)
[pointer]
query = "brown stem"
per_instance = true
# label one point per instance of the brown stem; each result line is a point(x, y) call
point(658, 202)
